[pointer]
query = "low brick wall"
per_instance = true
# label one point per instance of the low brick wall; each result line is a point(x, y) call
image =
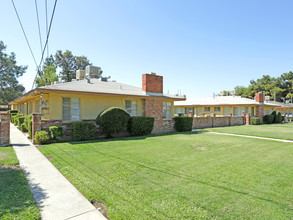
point(168, 126)
point(4, 129)
point(210, 122)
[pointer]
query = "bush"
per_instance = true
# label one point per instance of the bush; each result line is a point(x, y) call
point(12, 119)
point(279, 117)
point(20, 121)
point(29, 128)
point(255, 121)
point(15, 121)
point(140, 125)
point(23, 127)
point(268, 119)
point(183, 123)
point(56, 132)
point(41, 137)
point(112, 120)
point(82, 130)
point(12, 111)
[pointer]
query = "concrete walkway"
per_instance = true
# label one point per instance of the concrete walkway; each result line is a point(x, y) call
point(56, 197)
point(248, 136)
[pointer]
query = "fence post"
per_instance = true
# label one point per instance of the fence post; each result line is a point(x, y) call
point(36, 124)
point(4, 129)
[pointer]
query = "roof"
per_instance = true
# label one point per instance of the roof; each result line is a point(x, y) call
point(97, 86)
point(219, 100)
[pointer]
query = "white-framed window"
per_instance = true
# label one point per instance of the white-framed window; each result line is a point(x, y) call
point(179, 110)
point(70, 109)
point(166, 110)
point(217, 109)
point(131, 107)
point(207, 109)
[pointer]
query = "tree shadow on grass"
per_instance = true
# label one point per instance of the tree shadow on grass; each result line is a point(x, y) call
point(134, 138)
point(16, 199)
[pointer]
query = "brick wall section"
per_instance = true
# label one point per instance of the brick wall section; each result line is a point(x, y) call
point(154, 108)
point(203, 122)
point(221, 121)
point(152, 83)
point(210, 122)
point(247, 119)
point(4, 129)
point(169, 126)
point(260, 111)
point(36, 124)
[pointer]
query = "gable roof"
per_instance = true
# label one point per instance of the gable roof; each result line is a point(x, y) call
point(98, 87)
point(219, 100)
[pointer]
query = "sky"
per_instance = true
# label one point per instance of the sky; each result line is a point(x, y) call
point(199, 47)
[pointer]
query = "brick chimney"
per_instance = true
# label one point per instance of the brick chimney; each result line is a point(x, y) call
point(152, 83)
point(259, 97)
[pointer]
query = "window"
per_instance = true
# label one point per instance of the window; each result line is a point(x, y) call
point(131, 107)
point(179, 110)
point(217, 109)
point(37, 106)
point(207, 109)
point(71, 109)
point(189, 110)
point(252, 111)
point(167, 110)
point(30, 108)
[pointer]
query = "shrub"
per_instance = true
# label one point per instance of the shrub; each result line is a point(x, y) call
point(279, 117)
point(15, 122)
point(255, 121)
point(268, 119)
point(140, 125)
point(283, 118)
point(183, 123)
point(41, 137)
point(82, 130)
point(12, 111)
point(56, 132)
point(112, 120)
point(29, 128)
point(12, 119)
point(20, 121)
point(23, 127)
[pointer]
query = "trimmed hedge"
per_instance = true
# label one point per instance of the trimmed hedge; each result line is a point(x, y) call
point(112, 120)
point(41, 137)
point(140, 125)
point(277, 117)
point(183, 123)
point(82, 130)
point(20, 121)
point(56, 132)
point(15, 120)
point(255, 121)
point(268, 119)
point(23, 127)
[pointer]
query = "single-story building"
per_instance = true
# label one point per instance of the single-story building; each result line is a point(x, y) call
point(85, 97)
point(225, 105)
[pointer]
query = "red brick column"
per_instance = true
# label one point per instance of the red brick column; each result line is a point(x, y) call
point(36, 124)
point(247, 119)
point(260, 111)
point(4, 128)
point(154, 108)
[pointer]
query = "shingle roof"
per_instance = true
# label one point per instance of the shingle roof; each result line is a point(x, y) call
point(218, 100)
point(108, 87)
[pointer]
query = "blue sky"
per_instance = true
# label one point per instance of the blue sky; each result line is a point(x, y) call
point(200, 47)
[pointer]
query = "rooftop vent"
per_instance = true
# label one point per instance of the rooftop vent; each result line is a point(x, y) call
point(92, 71)
point(104, 79)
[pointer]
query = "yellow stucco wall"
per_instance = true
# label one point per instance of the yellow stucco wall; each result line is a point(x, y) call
point(90, 105)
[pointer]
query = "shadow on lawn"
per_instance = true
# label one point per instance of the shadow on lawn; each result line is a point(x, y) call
point(132, 138)
point(16, 198)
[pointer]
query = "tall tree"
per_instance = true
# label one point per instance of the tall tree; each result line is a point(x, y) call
point(69, 64)
point(9, 72)
point(47, 76)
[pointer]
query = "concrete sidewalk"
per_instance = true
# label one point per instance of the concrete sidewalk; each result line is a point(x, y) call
point(248, 136)
point(56, 197)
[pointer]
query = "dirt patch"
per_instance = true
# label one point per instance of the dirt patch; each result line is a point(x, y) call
point(101, 207)
point(199, 148)
point(4, 168)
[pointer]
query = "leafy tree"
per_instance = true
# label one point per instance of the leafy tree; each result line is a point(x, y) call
point(49, 61)
point(9, 72)
point(69, 64)
point(47, 76)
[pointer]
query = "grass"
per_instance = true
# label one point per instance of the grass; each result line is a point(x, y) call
point(182, 176)
point(279, 131)
point(16, 199)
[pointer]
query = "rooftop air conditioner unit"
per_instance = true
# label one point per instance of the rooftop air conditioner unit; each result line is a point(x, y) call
point(80, 74)
point(92, 71)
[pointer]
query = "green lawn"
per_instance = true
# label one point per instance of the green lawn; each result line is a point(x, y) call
point(280, 131)
point(182, 176)
point(16, 199)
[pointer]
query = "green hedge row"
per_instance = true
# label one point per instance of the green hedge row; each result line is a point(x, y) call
point(82, 130)
point(255, 121)
point(56, 132)
point(183, 123)
point(140, 125)
point(268, 119)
